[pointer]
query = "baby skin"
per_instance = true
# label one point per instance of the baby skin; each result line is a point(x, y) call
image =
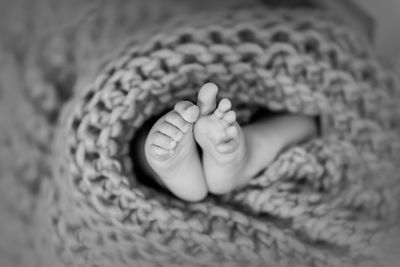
point(231, 155)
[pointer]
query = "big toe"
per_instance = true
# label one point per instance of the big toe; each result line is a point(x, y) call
point(207, 98)
point(188, 111)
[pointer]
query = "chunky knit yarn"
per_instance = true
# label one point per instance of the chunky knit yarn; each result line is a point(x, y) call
point(80, 199)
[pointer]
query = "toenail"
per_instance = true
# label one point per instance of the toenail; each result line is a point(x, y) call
point(180, 107)
point(191, 114)
point(195, 110)
point(225, 104)
point(210, 86)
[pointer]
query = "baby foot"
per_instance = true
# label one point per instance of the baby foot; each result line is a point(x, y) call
point(222, 130)
point(171, 152)
point(222, 141)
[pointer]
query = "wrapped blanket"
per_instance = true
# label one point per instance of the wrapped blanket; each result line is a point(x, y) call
point(72, 193)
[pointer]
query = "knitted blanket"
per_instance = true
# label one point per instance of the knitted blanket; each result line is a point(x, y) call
point(74, 97)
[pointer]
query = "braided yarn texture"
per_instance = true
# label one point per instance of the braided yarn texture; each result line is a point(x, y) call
point(332, 201)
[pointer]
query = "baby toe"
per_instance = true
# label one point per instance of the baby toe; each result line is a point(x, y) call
point(206, 99)
point(191, 114)
point(171, 131)
point(224, 105)
point(159, 151)
point(181, 106)
point(230, 117)
point(227, 147)
point(187, 110)
point(163, 141)
point(232, 131)
point(176, 119)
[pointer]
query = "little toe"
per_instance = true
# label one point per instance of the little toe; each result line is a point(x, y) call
point(171, 130)
point(227, 147)
point(224, 105)
point(207, 98)
point(163, 141)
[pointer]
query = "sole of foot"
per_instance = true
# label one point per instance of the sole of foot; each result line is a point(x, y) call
point(221, 139)
point(171, 152)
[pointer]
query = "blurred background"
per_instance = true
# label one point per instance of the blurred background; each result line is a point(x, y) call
point(381, 18)
point(386, 14)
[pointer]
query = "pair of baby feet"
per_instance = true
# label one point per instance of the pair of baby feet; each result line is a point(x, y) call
point(171, 147)
point(231, 154)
